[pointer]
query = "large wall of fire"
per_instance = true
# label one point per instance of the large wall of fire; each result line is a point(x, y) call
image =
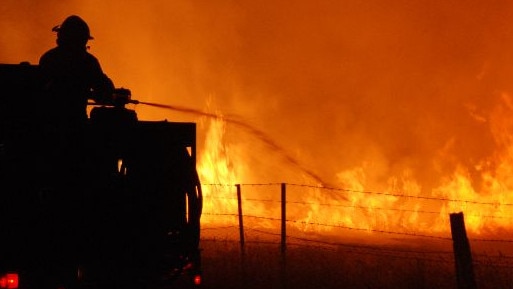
point(417, 90)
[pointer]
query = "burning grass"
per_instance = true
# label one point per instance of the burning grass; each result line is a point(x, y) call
point(360, 200)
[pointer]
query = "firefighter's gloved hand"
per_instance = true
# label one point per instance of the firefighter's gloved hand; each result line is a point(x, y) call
point(121, 96)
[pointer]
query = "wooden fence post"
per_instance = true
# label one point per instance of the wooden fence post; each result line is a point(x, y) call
point(283, 218)
point(283, 236)
point(241, 236)
point(462, 254)
point(241, 223)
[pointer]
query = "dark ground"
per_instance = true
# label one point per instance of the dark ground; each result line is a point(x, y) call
point(341, 266)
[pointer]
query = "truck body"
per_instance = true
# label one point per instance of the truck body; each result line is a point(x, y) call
point(120, 209)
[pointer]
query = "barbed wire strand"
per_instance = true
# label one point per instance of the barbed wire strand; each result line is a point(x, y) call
point(409, 234)
point(373, 193)
point(368, 208)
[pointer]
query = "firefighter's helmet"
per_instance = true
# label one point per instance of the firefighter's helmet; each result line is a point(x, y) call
point(74, 30)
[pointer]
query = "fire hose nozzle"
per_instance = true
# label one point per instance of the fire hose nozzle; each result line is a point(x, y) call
point(122, 96)
point(119, 98)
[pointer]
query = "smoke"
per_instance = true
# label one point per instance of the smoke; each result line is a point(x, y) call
point(393, 85)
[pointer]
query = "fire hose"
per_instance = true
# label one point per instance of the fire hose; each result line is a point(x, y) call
point(122, 96)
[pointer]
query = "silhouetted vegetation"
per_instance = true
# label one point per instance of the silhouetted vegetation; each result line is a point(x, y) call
point(340, 267)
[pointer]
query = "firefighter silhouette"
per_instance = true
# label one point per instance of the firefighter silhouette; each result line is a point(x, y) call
point(70, 77)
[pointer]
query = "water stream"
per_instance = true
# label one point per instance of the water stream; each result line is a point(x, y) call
point(259, 134)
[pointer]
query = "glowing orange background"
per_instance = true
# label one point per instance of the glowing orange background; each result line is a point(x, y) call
point(386, 85)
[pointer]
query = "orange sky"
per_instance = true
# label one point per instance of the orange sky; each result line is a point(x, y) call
point(398, 84)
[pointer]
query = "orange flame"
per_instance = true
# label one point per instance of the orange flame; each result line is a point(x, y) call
point(399, 206)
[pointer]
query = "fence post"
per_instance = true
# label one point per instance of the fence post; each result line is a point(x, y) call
point(283, 236)
point(241, 236)
point(283, 218)
point(241, 223)
point(462, 254)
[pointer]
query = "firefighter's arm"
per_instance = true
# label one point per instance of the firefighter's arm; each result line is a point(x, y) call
point(103, 89)
point(102, 86)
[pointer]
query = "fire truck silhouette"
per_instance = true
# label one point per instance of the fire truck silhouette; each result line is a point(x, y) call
point(132, 221)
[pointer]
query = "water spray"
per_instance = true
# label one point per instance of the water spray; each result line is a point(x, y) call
point(251, 129)
point(122, 96)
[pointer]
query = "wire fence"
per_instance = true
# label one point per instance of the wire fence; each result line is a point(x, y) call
point(267, 204)
point(271, 219)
